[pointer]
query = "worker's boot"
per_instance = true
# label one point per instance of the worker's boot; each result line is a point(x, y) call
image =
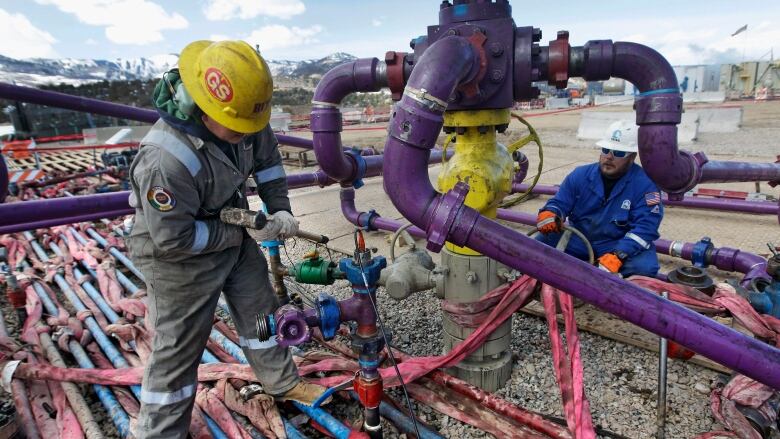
point(305, 393)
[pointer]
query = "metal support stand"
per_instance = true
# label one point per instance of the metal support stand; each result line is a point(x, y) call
point(662, 369)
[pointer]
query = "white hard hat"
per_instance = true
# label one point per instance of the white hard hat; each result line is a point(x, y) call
point(620, 136)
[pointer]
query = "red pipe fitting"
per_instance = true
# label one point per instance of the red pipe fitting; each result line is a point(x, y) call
point(369, 391)
point(395, 73)
point(558, 60)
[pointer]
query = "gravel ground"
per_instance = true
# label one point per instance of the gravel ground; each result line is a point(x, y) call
point(621, 380)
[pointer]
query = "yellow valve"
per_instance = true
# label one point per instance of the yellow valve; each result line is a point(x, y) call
point(479, 160)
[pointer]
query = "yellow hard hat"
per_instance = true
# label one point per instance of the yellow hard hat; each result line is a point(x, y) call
point(230, 82)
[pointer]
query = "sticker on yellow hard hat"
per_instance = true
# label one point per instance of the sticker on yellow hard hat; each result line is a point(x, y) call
point(218, 84)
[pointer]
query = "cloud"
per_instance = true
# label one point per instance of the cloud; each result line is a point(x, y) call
point(22, 39)
point(375, 22)
point(220, 10)
point(90, 42)
point(126, 21)
point(219, 37)
point(279, 37)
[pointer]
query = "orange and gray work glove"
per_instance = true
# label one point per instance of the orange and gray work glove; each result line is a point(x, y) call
point(548, 222)
point(610, 262)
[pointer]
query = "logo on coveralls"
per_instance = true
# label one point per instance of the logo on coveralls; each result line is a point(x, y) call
point(161, 199)
point(218, 85)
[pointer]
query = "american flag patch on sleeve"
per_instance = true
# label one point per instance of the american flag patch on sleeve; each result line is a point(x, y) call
point(653, 198)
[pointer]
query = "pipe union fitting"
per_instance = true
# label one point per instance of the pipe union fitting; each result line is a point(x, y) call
point(326, 120)
point(444, 215)
point(665, 108)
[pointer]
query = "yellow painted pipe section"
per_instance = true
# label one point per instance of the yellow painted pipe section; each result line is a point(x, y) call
point(479, 160)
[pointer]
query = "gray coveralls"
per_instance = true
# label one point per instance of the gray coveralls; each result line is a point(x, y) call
point(188, 256)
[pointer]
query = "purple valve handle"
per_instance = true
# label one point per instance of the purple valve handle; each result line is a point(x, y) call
point(291, 327)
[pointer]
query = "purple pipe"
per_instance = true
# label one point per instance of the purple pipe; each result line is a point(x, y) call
point(326, 123)
point(724, 258)
point(41, 224)
point(658, 111)
point(50, 209)
point(96, 106)
point(3, 179)
point(724, 172)
point(439, 70)
point(727, 205)
point(727, 259)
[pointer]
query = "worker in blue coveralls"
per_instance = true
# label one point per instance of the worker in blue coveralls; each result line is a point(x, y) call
point(613, 203)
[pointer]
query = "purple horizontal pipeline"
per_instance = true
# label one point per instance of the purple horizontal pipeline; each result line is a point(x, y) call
point(726, 205)
point(35, 214)
point(723, 258)
point(96, 106)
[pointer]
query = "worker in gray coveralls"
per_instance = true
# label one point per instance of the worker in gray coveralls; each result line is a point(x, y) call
point(213, 134)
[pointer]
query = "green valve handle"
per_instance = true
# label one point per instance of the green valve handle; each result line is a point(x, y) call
point(316, 271)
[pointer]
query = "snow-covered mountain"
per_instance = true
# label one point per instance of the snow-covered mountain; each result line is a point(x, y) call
point(38, 71)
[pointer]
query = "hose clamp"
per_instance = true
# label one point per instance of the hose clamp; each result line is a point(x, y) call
point(427, 100)
point(676, 249)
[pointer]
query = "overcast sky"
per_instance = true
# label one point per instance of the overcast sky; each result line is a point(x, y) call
point(686, 32)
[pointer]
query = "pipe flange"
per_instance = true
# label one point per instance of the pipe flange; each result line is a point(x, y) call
point(365, 220)
point(658, 108)
point(692, 276)
point(395, 73)
point(329, 314)
point(523, 55)
point(558, 60)
point(360, 167)
point(477, 40)
point(444, 216)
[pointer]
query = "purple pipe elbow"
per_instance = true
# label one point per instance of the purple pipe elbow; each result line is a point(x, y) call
point(326, 123)
point(659, 109)
point(415, 125)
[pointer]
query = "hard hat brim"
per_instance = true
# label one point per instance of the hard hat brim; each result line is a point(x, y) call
point(617, 146)
point(190, 77)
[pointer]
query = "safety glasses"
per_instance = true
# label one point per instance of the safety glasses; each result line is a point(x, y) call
point(616, 154)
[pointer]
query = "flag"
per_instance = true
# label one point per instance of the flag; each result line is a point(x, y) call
point(740, 30)
point(652, 198)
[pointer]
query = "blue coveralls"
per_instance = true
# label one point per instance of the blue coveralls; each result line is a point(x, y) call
point(627, 221)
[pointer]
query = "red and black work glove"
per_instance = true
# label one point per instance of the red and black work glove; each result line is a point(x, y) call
point(548, 222)
point(610, 262)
